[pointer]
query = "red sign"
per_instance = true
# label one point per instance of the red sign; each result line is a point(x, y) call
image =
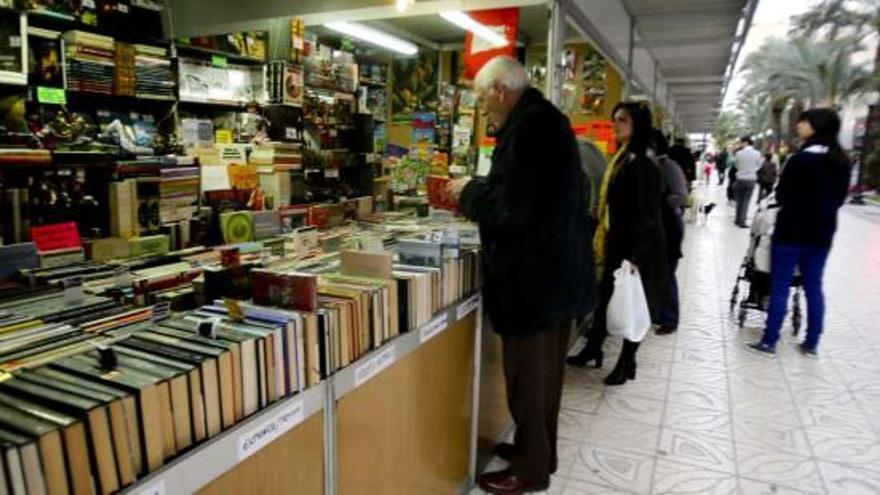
point(477, 51)
point(56, 236)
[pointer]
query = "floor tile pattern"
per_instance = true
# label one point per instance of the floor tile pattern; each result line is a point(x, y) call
point(706, 416)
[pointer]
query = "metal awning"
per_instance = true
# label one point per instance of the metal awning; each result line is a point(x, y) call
point(681, 52)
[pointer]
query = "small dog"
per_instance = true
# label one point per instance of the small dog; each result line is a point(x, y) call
point(705, 210)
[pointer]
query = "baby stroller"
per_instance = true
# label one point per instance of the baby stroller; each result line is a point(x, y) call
point(755, 268)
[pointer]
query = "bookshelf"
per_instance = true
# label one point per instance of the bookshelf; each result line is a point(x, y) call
point(445, 352)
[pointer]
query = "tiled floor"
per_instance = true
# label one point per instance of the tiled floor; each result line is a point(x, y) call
point(705, 416)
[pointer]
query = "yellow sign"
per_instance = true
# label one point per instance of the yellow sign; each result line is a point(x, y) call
point(223, 136)
point(243, 176)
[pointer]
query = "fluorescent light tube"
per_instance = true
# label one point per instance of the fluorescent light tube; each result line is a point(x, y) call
point(373, 36)
point(467, 23)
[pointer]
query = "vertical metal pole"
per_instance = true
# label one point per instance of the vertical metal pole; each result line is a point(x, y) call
point(627, 94)
point(475, 397)
point(329, 437)
point(555, 37)
point(654, 91)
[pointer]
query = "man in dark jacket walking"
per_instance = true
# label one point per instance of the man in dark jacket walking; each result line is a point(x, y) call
point(537, 259)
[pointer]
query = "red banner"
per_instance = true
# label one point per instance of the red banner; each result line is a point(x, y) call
point(478, 51)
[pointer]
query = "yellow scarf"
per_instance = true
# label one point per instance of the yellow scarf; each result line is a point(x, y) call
point(604, 223)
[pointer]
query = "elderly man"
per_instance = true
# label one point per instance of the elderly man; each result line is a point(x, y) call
point(537, 260)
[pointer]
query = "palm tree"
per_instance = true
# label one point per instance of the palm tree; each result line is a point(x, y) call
point(856, 18)
point(837, 16)
point(727, 128)
point(755, 115)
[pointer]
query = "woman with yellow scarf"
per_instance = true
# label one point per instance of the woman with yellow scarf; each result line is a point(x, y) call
point(630, 227)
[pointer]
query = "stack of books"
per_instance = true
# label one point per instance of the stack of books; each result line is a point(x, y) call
point(280, 156)
point(178, 189)
point(90, 61)
point(155, 76)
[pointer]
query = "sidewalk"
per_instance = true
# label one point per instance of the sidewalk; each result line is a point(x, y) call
point(706, 416)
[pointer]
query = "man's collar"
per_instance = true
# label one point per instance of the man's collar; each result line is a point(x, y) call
point(529, 96)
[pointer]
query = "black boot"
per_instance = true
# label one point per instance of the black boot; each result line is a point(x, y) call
point(587, 354)
point(625, 369)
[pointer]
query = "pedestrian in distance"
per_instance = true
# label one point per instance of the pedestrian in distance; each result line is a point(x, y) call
point(748, 161)
point(767, 176)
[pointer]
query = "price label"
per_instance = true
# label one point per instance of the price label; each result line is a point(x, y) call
point(89, 4)
point(15, 41)
point(219, 61)
point(466, 307)
point(433, 328)
point(123, 9)
point(374, 366)
point(269, 430)
point(331, 173)
point(291, 133)
point(157, 488)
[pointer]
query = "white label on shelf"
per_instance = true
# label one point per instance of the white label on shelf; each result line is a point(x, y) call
point(331, 173)
point(122, 8)
point(157, 488)
point(15, 41)
point(466, 307)
point(433, 328)
point(280, 422)
point(291, 133)
point(89, 4)
point(374, 365)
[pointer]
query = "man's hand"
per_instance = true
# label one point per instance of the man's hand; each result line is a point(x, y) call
point(454, 188)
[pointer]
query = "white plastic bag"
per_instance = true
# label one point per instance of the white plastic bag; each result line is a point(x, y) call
point(628, 314)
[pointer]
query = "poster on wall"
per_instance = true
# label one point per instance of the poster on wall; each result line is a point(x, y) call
point(415, 87)
point(594, 89)
point(477, 51)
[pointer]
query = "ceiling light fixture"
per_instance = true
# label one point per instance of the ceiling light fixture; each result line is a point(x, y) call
point(373, 36)
point(467, 23)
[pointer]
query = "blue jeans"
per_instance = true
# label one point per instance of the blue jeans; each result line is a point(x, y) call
point(811, 260)
point(669, 314)
point(743, 190)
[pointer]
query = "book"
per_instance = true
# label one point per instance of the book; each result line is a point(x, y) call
point(291, 290)
point(437, 195)
point(43, 463)
point(237, 226)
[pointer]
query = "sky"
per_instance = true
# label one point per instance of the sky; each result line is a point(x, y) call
point(771, 19)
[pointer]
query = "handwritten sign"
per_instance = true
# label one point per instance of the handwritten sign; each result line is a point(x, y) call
point(56, 236)
point(433, 328)
point(374, 366)
point(278, 424)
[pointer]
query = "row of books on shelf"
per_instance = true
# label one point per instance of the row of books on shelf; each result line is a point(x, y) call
point(98, 392)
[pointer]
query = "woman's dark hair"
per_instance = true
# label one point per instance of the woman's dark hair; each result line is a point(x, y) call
point(768, 156)
point(826, 126)
point(640, 114)
point(659, 142)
